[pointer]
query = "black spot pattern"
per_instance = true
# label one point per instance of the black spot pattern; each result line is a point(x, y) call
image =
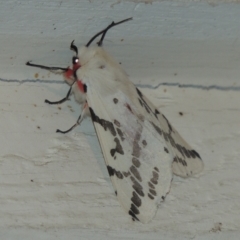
point(129, 108)
point(120, 134)
point(112, 172)
point(183, 151)
point(194, 154)
point(180, 160)
point(166, 150)
point(131, 213)
point(157, 128)
point(154, 181)
point(151, 185)
point(136, 162)
point(153, 192)
point(115, 100)
point(136, 199)
point(117, 123)
point(136, 173)
point(102, 66)
point(137, 187)
point(104, 123)
point(150, 196)
point(134, 209)
point(85, 88)
point(126, 174)
point(155, 177)
point(144, 104)
point(136, 147)
point(118, 148)
point(144, 143)
point(168, 123)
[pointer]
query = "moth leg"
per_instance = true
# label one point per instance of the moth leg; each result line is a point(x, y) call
point(80, 118)
point(62, 100)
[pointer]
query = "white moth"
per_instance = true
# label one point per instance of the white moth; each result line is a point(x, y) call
point(142, 150)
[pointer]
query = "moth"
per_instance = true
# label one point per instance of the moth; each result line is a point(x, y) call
point(142, 150)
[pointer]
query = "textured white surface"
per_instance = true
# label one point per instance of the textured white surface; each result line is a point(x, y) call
point(56, 186)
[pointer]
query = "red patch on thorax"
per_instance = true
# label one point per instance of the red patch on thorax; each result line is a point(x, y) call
point(80, 85)
point(69, 74)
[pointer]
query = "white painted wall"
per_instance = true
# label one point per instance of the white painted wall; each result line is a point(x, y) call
point(184, 55)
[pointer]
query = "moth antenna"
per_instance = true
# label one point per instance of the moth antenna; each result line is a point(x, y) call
point(103, 32)
point(73, 47)
point(45, 67)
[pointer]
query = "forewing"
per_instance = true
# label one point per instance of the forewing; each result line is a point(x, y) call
point(186, 161)
point(136, 157)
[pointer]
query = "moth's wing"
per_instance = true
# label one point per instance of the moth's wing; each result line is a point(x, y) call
point(186, 161)
point(139, 167)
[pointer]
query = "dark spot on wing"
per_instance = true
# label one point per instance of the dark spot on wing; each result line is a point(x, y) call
point(115, 100)
point(136, 147)
point(126, 174)
point(157, 128)
point(120, 133)
point(155, 177)
point(145, 105)
point(107, 125)
point(117, 123)
point(186, 152)
point(194, 154)
point(180, 113)
point(172, 141)
point(156, 169)
point(118, 174)
point(144, 143)
point(142, 101)
point(150, 196)
point(112, 171)
point(133, 215)
point(116, 193)
point(136, 199)
point(179, 148)
point(84, 88)
point(179, 160)
point(134, 209)
point(136, 173)
point(166, 150)
point(165, 136)
point(136, 162)
point(118, 148)
point(137, 187)
point(153, 192)
point(151, 185)
point(102, 66)
point(129, 108)
point(163, 198)
point(168, 123)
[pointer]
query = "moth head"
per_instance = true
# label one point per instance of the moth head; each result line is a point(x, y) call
point(75, 59)
point(87, 53)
